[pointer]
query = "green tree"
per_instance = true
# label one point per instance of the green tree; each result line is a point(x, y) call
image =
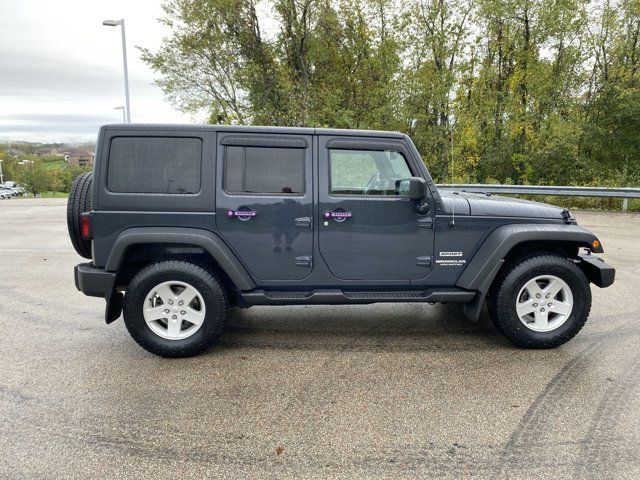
point(437, 36)
point(328, 64)
point(9, 165)
point(513, 91)
point(33, 176)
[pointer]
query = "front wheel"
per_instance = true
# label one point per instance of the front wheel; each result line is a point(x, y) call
point(541, 301)
point(175, 308)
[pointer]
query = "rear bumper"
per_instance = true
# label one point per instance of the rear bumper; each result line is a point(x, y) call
point(92, 281)
point(596, 270)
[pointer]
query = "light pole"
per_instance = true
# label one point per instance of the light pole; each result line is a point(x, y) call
point(115, 23)
point(1, 176)
point(124, 119)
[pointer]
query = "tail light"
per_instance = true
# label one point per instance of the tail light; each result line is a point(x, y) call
point(85, 226)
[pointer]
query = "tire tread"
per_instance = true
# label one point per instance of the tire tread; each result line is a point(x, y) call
point(80, 201)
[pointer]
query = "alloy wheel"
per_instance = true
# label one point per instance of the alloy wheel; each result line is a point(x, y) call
point(174, 310)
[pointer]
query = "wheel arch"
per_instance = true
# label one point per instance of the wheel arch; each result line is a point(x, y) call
point(510, 241)
point(166, 243)
point(224, 258)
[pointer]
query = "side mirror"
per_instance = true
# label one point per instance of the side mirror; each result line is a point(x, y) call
point(414, 188)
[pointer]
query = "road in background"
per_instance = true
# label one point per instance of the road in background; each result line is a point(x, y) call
point(380, 391)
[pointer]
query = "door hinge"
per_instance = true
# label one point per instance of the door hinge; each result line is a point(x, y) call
point(303, 261)
point(426, 222)
point(423, 261)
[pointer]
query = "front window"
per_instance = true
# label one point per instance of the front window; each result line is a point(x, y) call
point(366, 172)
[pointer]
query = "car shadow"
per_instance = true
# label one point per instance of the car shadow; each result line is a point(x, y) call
point(393, 327)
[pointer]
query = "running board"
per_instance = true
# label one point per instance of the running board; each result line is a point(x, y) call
point(340, 297)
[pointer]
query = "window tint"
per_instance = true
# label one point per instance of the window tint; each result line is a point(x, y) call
point(264, 170)
point(363, 172)
point(154, 165)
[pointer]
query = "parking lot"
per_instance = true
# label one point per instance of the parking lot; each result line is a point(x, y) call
point(386, 391)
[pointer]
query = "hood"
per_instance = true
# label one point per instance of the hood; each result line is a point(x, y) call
point(466, 203)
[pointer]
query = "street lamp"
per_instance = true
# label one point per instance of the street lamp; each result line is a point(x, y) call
point(124, 119)
point(1, 176)
point(115, 23)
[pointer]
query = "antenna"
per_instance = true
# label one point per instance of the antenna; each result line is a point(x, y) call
point(451, 174)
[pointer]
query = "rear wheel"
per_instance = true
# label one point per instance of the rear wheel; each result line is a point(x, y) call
point(79, 202)
point(540, 301)
point(175, 308)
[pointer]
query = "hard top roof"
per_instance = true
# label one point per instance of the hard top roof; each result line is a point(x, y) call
point(255, 129)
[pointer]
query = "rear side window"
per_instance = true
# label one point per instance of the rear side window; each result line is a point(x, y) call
point(264, 170)
point(154, 165)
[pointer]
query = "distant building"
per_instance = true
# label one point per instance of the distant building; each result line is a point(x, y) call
point(13, 152)
point(48, 152)
point(79, 158)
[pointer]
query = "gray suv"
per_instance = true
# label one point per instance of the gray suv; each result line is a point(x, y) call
point(183, 222)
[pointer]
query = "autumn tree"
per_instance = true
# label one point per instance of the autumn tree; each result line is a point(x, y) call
point(521, 91)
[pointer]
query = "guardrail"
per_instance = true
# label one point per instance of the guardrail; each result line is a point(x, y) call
point(624, 193)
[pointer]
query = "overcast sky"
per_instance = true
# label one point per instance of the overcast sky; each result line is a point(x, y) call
point(61, 70)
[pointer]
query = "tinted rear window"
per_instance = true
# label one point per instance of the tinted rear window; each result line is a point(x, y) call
point(264, 170)
point(154, 165)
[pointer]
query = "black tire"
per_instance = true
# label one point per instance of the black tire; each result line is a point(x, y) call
point(506, 287)
point(491, 315)
point(80, 201)
point(211, 290)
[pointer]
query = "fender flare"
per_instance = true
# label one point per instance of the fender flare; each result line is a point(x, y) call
point(482, 269)
point(205, 239)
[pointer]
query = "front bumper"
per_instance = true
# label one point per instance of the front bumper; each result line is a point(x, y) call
point(597, 271)
point(92, 281)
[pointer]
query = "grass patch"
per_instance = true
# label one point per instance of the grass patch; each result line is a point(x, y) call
point(49, 194)
point(56, 164)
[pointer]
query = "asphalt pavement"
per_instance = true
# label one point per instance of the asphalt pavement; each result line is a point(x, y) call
point(380, 391)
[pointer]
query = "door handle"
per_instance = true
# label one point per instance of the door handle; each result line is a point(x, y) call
point(337, 215)
point(424, 261)
point(303, 261)
point(426, 222)
point(303, 222)
point(241, 214)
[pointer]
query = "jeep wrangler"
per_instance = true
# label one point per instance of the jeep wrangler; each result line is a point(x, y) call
point(183, 222)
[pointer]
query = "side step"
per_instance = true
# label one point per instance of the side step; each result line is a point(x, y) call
point(340, 297)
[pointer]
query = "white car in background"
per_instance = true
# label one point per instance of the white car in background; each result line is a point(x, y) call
point(6, 193)
point(12, 188)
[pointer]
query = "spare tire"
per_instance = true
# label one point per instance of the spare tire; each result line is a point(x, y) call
point(80, 201)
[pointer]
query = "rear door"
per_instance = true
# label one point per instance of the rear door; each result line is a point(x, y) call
point(264, 202)
point(367, 231)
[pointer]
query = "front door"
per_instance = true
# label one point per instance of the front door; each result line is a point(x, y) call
point(366, 230)
point(264, 202)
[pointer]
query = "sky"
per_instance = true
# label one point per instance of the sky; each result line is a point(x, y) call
point(61, 73)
